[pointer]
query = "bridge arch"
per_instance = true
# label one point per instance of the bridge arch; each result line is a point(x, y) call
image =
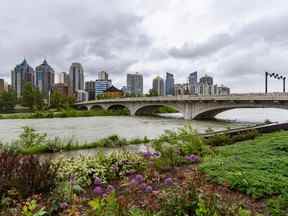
point(82, 107)
point(148, 109)
point(120, 108)
point(96, 107)
point(211, 112)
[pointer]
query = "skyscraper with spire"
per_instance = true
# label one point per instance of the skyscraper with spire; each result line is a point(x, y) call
point(20, 76)
point(45, 78)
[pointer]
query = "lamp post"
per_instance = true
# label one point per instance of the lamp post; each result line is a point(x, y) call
point(275, 76)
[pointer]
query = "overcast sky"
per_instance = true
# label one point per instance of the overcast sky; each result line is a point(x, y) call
point(234, 41)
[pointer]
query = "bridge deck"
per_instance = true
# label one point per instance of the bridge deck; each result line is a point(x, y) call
point(233, 97)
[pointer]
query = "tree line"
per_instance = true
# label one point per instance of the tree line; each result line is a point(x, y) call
point(33, 99)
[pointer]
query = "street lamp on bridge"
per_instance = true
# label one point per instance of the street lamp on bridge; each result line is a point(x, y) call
point(275, 76)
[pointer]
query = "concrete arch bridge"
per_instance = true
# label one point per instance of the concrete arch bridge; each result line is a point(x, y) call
point(192, 107)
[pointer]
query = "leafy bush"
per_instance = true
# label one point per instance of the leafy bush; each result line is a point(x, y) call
point(186, 140)
point(26, 174)
point(31, 209)
point(30, 138)
point(113, 166)
point(174, 146)
point(106, 206)
point(278, 206)
point(225, 139)
point(188, 200)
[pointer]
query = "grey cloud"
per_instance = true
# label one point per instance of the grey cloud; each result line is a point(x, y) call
point(269, 29)
point(212, 45)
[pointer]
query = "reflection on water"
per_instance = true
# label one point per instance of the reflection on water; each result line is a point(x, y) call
point(255, 115)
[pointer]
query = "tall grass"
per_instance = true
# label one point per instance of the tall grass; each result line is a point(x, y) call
point(31, 142)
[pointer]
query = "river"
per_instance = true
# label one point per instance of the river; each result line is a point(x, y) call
point(92, 128)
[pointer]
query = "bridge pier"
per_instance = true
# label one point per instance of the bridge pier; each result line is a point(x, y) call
point(187, 111)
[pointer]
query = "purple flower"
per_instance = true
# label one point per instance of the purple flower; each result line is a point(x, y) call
point(133, 181)
point(97, 181)
point(168, 181)
point(72, 179)
point(143, 186)
point(148, 189)
point(139, 178)
point(147, 154)
point(110, 189)
point(193, 158)
point(156, 154)
point(98, 191)
point(63, 205)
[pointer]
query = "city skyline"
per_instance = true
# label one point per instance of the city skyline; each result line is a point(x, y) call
point(236, 47)
point(43, 77)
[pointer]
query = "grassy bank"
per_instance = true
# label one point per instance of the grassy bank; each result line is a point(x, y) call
point(256, 167)
point(31, 142)
point(64, 114)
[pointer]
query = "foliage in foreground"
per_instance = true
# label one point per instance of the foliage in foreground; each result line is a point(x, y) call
point(32, 142)
point(257, 167)
point(113, 166)
point(26, 175)
point(174, 147)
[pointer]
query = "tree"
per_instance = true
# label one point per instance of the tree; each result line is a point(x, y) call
point(8, 101)
point(152, 93)
point(58, 101)
point(32, 97)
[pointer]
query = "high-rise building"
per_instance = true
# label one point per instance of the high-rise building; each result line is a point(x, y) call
point(3, 86)
point(90, 87)
point(76, 75)
point(181, 89)
point(61, 88)
point(64, 78)
point(21, 75)
point(81, 96)
point(206, 86)
point(45, 78)
point(193, 83)
point(206, 79)
point(102, 83)
point(223, 90)
point(135, 84)
point(158, 86)
point(169, 84)
point(103, 75)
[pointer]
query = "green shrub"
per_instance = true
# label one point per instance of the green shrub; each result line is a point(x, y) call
point(113, 166)
point(174, 146)
point(225, 139)
point(278, 206)
point(31, 208)
point(185, 140)
point(107, 206)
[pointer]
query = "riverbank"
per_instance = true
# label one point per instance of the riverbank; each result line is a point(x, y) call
point(70, 113)
point(32, 142)
point(182, 176)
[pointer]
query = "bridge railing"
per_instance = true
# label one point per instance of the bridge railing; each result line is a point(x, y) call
point(270, 96)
